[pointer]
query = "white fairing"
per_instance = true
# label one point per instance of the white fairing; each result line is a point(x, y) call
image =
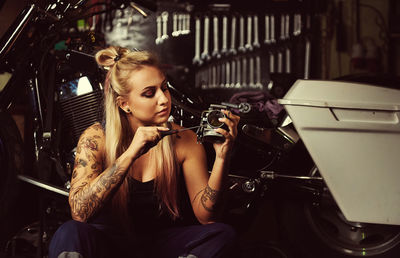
point(352, 132)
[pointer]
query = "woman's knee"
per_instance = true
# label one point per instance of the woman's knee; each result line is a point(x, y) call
point(73, 236)
point(72, 229)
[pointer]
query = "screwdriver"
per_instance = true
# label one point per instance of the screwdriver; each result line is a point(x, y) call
point(174, 131)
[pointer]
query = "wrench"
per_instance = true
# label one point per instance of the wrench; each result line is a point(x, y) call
point(215, 52)
point(233, 73)
point(307, 59)
point(227, 75)
point(218, 77)
point(251, 72)
point(205, 55)
point(282, 34)
point(224, 49)
point(174, 25)
point(222, 82)
point(248, 45)
point(196, 59)
point(238, 75)
point(185, 23)
point(271, 63)
point(164, 16)
point(280, 62)
point(273, 40)
point(297, 25)
point(232, 50)
point(288, 62)
point(159, 32)
point(187, 29)
point(287, 23)
point(267, 30)
point(258, 84)
point(181, 24)
point(214, 77)
point(244, 72)
point(256, 43)
point(241, 35)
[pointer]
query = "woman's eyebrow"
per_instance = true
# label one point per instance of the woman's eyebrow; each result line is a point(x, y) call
point(153, 86)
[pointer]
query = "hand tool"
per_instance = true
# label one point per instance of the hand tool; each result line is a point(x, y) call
point(175, 131)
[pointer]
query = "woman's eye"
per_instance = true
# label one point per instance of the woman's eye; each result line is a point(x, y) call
point(148, 94)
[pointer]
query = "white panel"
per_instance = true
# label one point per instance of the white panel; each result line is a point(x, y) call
point(355, 145)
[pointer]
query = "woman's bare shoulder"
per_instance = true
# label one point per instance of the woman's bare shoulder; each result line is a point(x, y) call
point(186, 142)
point(187, 136)
point(94, 129)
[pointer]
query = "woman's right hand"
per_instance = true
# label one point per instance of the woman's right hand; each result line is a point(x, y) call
point(145, 138)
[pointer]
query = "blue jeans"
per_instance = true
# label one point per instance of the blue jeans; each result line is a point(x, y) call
point(78, 239)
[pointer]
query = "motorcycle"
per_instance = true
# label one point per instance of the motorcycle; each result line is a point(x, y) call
point(271, 164)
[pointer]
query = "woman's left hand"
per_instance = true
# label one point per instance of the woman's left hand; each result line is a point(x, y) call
point(223, 149)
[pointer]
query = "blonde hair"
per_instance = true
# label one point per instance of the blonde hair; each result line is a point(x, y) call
point(118, 134)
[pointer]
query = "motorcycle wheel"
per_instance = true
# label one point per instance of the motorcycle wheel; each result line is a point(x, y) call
point(11, 164)
point(321, 230)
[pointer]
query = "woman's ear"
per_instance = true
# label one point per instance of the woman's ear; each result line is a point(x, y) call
point(123, 104)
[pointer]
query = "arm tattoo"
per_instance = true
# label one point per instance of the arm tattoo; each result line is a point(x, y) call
point(87, 145)
point(209, 195)
point(87, 198)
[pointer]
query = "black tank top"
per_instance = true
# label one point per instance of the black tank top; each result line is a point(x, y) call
point(145, 211)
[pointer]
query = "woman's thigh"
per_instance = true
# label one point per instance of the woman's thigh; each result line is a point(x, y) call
point(211, 240)
point(79, 239)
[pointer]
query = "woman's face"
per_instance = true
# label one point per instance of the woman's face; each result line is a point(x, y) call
point(149, 99)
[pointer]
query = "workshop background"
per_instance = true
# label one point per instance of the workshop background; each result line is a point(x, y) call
point(213, 52)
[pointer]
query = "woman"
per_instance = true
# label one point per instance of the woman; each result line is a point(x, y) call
point(129, 183)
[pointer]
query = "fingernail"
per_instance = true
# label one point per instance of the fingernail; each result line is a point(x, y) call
point(220, 119)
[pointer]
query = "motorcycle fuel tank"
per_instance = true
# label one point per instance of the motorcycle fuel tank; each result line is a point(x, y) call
point(352, 132)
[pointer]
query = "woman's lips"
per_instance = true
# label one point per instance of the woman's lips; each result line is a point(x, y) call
point(163, 112)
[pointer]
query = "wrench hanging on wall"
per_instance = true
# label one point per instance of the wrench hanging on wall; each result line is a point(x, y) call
point(186, 23)
point(279, 67)
point(164, 17)
point(244, 71)
point(205, 55)
point(159, 29)
point(272, 30)
point(258, 84)
point(288, 60)
point(232, 50)
point(233, 73)
point(307, 59)
point(282, 35)
point(223, 76)
point(241, 35)
point(271, 63)
point(238, 74)
point(215, 52)
point(196, 58)
point(251, 72)
point(224, 48)
point(267, 39)
point(248, 45)
point(297, 25)
point(256, 43)
point(227, 75)
point(287, 26)
point(175, 25)
point(214, 76)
